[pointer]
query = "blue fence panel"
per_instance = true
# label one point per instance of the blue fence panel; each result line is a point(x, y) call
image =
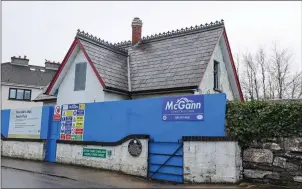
point(5, 122)
point(111, 121)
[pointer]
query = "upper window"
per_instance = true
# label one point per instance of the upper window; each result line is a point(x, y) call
point(19, 94)
point(80, 76)
point(216, 75)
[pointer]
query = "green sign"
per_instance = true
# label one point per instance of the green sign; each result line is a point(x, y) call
point(92, 152)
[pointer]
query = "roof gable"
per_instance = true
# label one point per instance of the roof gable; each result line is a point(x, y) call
point(110, 64)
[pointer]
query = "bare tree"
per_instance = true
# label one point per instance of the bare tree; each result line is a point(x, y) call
point(295, 86)
point(251, 75)
point(267, 75)
point(280, 63)
point(261, 61)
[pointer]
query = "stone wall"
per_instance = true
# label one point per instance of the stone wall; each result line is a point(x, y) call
point(118, 160)
point(275, 161)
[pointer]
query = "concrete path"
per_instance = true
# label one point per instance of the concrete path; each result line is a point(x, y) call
point(93, 177)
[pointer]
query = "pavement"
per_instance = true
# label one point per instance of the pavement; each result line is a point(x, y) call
point(32, 174)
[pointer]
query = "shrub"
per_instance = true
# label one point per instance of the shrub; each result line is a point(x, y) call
point(256, 120)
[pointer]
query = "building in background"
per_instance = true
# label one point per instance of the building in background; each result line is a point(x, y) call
point(181, 62)
point(21, 82)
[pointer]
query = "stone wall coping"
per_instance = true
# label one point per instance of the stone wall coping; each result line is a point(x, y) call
point(116, 143)
point(208, 138)
point(22, 139)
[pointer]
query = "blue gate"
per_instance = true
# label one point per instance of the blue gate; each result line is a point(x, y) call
point(166, 161)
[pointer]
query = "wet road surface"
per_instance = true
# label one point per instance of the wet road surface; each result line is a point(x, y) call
point(32, 174)
point(12, 178)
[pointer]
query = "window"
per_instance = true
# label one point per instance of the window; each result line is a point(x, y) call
point(19, 94)
point(80, 76)
point(216, 75)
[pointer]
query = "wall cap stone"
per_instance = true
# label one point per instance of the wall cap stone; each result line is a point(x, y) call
point(119, 142)
point(208, 138)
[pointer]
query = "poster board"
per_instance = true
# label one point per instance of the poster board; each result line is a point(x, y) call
point(72, 122)
point(25, 123)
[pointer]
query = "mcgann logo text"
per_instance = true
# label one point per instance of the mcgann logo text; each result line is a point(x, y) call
point(183, 108)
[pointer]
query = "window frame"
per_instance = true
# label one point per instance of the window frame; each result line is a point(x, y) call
point(216, 76)
point(23, 97)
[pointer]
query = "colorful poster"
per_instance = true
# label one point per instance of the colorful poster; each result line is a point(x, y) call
point(25, 123)
point(72, 122)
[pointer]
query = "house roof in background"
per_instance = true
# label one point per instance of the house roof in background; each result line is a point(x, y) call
point(26, 75)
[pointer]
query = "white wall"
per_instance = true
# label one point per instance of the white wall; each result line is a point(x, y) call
point(49, 103)
point(13, 104)
point(93, 91)
point(114, 97)
point(212, 162)
point(24, 150)
point(120, 160)
point(207, 84)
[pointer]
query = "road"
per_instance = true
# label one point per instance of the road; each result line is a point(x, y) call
point(12, 178)
point(30, 174)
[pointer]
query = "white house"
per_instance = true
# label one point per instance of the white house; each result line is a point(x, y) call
point(180, 62)
point(21, 82)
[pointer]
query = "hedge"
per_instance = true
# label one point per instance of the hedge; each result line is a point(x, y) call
point(256, 120)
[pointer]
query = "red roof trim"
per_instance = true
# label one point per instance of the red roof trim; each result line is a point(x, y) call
point(75, 42)
point(233, 65)
point(91, 64)
point(54, 79)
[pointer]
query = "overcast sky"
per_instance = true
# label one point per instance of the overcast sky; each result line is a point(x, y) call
point(45, 30)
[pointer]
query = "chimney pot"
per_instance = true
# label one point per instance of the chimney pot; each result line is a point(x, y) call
point(136, 30)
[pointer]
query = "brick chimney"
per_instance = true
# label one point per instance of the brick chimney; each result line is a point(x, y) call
point(136, 30)
point(51, 65)
point(19, 61)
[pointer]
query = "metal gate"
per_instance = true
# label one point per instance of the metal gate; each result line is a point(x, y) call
point(166, 161)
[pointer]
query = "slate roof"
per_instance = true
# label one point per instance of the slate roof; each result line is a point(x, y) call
point(166, 60)
point(11, 73)
point(173, 62)
point(43, 97)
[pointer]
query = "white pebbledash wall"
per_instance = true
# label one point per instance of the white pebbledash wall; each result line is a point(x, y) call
point(120, 160)
point(24, 150)
point(212, 162)
point(93, 91)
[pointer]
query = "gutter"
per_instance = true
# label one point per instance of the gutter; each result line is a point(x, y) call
point(129, 74)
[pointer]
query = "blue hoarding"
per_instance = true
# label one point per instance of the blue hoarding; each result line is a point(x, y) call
point(183, 108)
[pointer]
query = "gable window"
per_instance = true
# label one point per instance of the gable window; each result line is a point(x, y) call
point(19, 94)
point(216, 75)
point(80, 76)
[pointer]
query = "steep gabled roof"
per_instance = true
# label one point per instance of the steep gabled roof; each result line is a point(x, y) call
point(26, 75)
point(176, 59)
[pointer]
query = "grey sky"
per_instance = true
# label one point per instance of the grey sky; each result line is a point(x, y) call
point(45, 30)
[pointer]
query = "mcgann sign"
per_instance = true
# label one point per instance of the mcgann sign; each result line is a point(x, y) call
point(183, 108)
